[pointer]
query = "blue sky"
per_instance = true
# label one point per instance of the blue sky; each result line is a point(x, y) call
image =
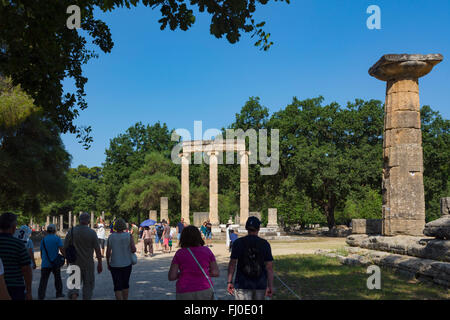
point(321, 48)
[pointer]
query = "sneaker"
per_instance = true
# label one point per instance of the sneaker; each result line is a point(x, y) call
point(60, 296)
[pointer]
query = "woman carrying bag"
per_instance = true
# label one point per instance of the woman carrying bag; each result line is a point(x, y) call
point(193, 266)
point(120, 256)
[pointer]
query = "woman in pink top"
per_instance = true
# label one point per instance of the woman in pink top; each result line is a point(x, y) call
point(191, 282)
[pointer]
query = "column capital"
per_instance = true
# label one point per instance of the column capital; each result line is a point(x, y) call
point(242, 153)
point(404, 66)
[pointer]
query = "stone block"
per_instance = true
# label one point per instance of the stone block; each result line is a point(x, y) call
point(402, 119)
point(272, 217)
point(395, 137)
point(366, 226)
point(255, 214)
point(445, 206)
point(200, 217)
point(403, 102)
point(153, 215)
point(439, 228)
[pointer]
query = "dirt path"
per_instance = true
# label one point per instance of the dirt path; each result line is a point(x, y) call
point(149, 277)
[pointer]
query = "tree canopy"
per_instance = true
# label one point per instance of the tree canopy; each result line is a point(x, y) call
point(330, 167)
point(38, 51)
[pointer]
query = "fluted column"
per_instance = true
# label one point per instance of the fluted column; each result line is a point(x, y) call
point(213, 189)
point(185, 159)
point(244, 200)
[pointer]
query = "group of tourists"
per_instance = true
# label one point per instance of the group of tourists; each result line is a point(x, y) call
point(193, 265)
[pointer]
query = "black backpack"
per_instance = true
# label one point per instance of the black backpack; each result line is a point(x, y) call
point(71, 252)
point(252, 261)
point(159, 231)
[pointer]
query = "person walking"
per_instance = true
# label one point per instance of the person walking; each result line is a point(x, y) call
point(233, 237)
point(4, 295)
point(148, 241)
point(101, 235)
point(192, 267)
point(180, 226)
point(24, 235)
point(118, 258)
point(85, 242)
point(16, 260)
point(51, 245)
point(253, 257)
point(159, 235)
point(203, 230)
point(166, 236)
point(208, 234)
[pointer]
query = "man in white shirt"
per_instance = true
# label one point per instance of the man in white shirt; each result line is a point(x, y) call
point(101, 235)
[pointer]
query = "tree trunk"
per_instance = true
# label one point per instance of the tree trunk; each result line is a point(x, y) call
point(329, 212)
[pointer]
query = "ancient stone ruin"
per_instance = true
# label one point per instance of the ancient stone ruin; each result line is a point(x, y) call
point(403, 191)
point(440, 228)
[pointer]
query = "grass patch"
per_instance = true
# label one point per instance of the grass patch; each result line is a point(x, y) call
point(315, 277)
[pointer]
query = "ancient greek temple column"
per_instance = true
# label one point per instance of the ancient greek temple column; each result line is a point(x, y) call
point(61, 222)
point(185, 158)
point(164, 208)
point(213, 189)
point(403, 191)
point(244, 201)
point(92, 219)
point(70, 219)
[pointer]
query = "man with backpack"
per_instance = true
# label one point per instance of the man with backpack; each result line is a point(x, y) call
point(51, 244)
point(159, 228)
point(79, 245)
point(251, 258)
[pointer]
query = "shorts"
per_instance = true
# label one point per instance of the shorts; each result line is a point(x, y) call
point(158, 240)
point(170, 243)
point(121, 277)
point(101, 243)
point(178, 236)
point(208, 235)
point(166, 241)
point(248, 294)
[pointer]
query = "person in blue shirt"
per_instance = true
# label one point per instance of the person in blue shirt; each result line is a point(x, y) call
point(233, 237)
point(50, 246)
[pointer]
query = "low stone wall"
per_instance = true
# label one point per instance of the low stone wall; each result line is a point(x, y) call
point(428, 270)
point(366, 226)
point(420, 247)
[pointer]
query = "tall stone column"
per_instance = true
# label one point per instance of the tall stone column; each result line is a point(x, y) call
point(70, 219)
point(164, 209)
point(47, 222)
point(153, 215)
point(92, 219)
point(213, 189)
point(272, 218)
point(61, 222)
point(74, 220)
point(185, 159)
point(403, 191)
point(103, 216)
point(244, 201)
